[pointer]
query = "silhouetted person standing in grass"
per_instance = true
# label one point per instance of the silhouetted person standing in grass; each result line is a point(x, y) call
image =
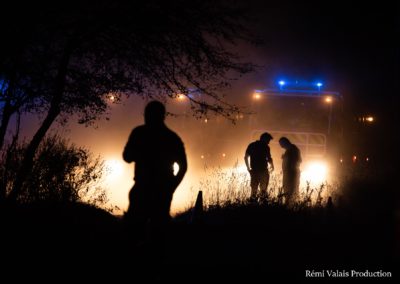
point(291, 160)
point(154, 148)
point(260, 156)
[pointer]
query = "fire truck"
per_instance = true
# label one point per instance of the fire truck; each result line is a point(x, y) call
point(309, 117)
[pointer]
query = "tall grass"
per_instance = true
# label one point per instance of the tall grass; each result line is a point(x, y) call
point(224, 187)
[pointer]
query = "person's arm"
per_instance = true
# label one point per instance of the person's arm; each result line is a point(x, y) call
point(130, 147)
point(293, 158)
point(270, 161)
point(299, 160)
point(246, 160)
point(182, 169)
point(182, 162)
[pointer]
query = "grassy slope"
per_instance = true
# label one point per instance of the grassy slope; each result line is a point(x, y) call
point(237, 242)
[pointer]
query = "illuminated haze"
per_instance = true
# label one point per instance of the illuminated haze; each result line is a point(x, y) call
point(346, 60)
point(212, 141)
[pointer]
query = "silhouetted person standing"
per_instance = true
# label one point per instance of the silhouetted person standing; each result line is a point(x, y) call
point(154, 148)
point(260, 156)
point(291, 160)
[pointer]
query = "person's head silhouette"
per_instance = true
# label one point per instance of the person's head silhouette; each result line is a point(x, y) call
point(266, 137)
point(284, 142)
point(154, 113)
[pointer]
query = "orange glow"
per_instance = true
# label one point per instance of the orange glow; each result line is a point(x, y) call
point(114, 169)
point(328, 99)
point(118, 181)
point(354, 158)
point(369, 119)
point(181, 97)
point(111, 97)
point(314, 172)
point(256, 96)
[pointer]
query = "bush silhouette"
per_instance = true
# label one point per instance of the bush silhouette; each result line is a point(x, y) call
point(62, 172)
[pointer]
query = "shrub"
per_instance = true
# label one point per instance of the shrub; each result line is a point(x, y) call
point(62, 172)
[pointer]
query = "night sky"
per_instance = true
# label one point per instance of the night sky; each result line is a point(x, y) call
point(349, 46)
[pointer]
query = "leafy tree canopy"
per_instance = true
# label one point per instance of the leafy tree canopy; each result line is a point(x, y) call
point(151, 48)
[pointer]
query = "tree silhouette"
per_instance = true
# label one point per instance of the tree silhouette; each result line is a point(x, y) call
point(70, 57)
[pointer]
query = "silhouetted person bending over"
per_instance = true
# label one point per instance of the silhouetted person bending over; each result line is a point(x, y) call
point(291, 160)
point(154, 148)
point(260, 156)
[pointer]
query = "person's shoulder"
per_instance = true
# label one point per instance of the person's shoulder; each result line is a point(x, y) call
point(139, 129)
point(295, 150)
point(140, 132)
point(173, 135)
point(251, 145)
point(254, 143)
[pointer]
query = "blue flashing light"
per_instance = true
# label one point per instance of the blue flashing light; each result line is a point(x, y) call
point(281, 83)
point(319, 84)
